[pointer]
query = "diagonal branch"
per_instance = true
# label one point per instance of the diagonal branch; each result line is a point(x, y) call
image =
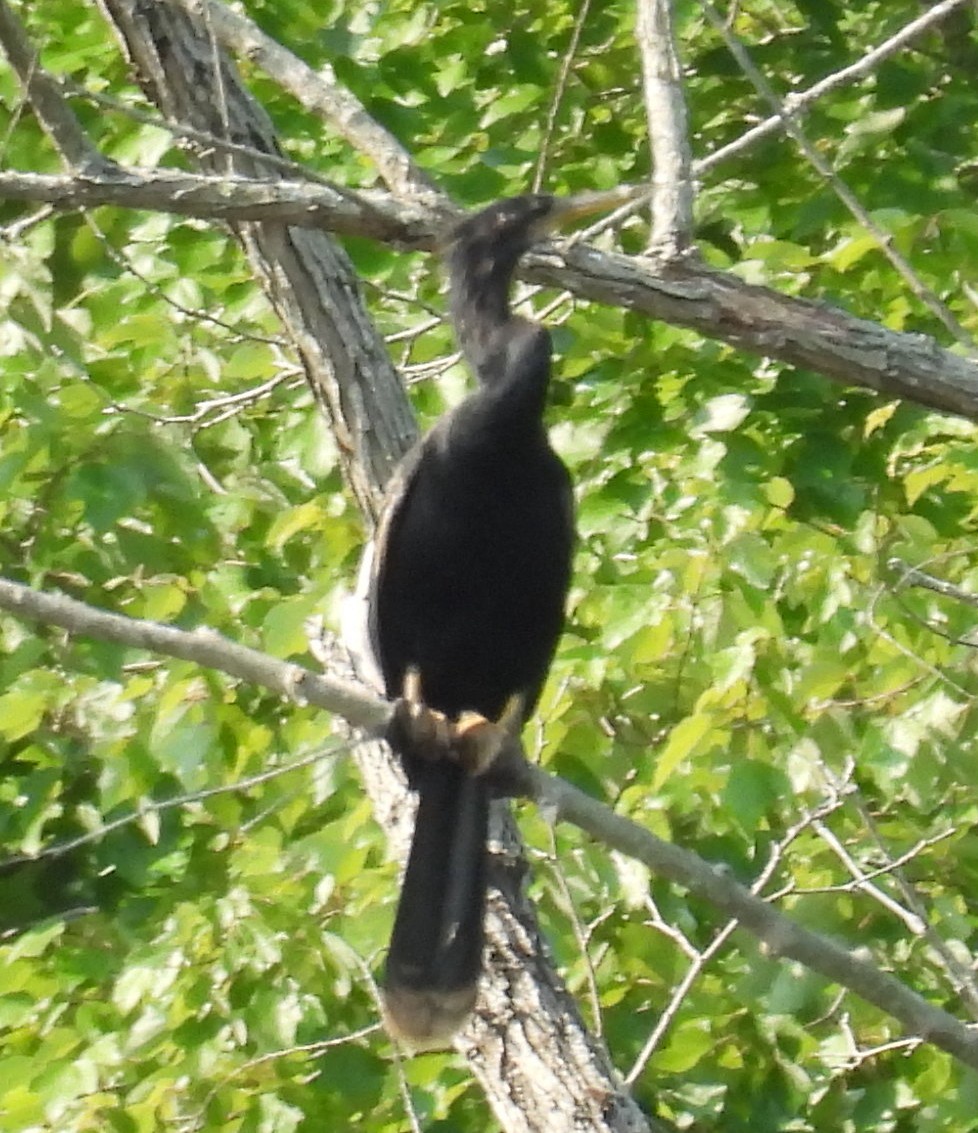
point(798, 102)
point(203, 646)
point(803, 333)
point(319, 91)
point(778, 934)
point(53, 113)
point(821, 166)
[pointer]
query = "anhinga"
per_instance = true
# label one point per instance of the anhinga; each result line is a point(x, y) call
point(466, 585)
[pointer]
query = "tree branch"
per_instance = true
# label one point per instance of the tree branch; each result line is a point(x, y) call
point(320, 92)
point(204, 646)
point(307, 276)
point(778, 934)
point(797, 103)
point(665, 108)
point(232, 199)
point(914, 576)
point(720, 305)
point(803, 333)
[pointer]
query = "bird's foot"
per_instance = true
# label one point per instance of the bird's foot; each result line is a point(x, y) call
point(417, 728)
point(489, 747)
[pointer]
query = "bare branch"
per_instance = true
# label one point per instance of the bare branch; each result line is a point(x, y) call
point(959, 974)
point(665, 107)
point(797, 103)
point(807, 334)
point(44, 94)
point(320, 92)
point(204, 646)
point(232, 199)
point(779, 935)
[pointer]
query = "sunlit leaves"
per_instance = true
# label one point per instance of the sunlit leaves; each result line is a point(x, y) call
point(741, 655)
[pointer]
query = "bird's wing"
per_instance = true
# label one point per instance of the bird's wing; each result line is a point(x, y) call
point(358, 610)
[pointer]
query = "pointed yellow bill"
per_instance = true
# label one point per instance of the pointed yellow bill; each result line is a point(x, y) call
point(567, 210)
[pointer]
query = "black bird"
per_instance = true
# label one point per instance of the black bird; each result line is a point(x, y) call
point(465, 588)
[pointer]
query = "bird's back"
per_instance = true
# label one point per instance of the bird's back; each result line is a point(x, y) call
point(476, 565)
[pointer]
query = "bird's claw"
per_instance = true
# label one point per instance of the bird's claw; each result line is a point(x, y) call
point(418, 728)
point(478, 745)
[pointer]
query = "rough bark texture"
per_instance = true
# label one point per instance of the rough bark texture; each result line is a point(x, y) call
point(528, 1044)
point(811, 335)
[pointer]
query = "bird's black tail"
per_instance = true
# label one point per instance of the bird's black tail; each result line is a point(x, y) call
point(435, 953)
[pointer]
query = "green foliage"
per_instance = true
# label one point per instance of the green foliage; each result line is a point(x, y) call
point(742, 671)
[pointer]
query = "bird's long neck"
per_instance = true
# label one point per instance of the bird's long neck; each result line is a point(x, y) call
point(509, 356)
point(479, 288)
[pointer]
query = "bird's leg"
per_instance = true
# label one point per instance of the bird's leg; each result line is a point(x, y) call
point(417, 728)
point(482, 745)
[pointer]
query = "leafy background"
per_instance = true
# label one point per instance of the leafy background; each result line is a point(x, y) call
point(741, 672)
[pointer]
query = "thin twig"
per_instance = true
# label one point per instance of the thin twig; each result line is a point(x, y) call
point(960, 976)
point(200, 140)
point(793, 128)
point(160, 806)
point(800, 102)
point(558, 93)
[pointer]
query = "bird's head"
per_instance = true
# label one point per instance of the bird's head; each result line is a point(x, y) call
point(483, 251)
point(502, 232)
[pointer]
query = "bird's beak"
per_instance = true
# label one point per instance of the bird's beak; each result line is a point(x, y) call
point(568, 210)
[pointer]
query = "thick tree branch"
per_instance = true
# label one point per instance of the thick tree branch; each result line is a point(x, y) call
point(778, 934)
point(801, 332)
point(232, 199)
